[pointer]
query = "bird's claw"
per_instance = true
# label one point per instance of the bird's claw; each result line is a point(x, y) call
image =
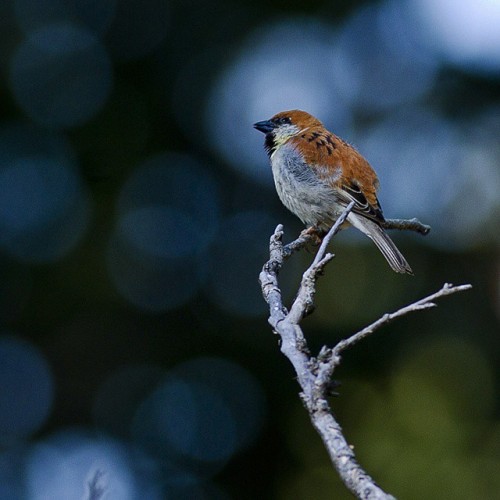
point(313, 234)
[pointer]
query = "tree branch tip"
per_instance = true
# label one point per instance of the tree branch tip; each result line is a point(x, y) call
point(425, 229)
point(465, 286)
point(278, 233)
point(407, 225)
point(450, 287)
point(96, 485)
point(324, 261)
point(425, 305)
point(325, 353)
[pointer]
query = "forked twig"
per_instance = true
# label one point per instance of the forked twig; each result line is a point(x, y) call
point(315, 374)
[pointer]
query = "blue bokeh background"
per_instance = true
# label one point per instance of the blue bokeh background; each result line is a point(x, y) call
point(136, 204)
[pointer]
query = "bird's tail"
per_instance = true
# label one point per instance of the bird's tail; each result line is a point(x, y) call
point(377, 234)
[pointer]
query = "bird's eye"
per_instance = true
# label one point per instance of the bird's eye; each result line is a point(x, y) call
point(283, 120)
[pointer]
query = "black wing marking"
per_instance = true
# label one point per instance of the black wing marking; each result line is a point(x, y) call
point(362, 207)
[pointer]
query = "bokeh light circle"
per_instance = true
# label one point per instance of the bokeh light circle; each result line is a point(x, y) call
point(180, 182)
point(12, 460)
point(61, 75)
point(205, 411)
point(377, 60)
point(167, 216)
point(27, 389)
point(44, 206)
point(431, 151)
point(238, 388)
point(268, 76)
point(470, 218)
point(124, 389)
point(445, 176)
point(153, 257)
point(62, 466)
point(473, 212)
point(464, 33)
point(186, 420)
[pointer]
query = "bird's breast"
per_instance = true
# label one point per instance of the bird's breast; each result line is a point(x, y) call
point(301, 190)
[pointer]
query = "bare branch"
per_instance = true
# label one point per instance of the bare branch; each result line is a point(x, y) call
point(407, 225)
point(296, 245)
point(315, 374)
point(419, 305)
point(333, 231)
point(96, 487)
point(268, 277)
point(304, 303)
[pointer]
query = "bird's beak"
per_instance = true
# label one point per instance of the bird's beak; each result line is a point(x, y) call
point(266, 126)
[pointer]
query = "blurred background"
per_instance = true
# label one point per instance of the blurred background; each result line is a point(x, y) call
point(136, 205)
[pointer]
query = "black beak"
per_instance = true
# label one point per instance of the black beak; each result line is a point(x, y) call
point(266, 126)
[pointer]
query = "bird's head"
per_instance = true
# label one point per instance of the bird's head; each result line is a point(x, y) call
point(285, 125)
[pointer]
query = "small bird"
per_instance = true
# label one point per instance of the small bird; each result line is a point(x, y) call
point(317, 174)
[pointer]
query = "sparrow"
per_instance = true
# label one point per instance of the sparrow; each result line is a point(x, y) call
point(317, 174)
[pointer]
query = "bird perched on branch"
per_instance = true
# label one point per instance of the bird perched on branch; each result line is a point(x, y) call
point(317, 174)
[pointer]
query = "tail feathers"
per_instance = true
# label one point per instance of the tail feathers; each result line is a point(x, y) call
point(386, 246)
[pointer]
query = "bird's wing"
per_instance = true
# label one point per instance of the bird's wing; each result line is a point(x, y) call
point(353, 192)
point(340, 166)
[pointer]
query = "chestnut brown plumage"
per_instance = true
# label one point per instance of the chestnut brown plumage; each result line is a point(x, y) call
point(317, 174)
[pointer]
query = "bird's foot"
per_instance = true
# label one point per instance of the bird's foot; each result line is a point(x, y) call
point(313, 234)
